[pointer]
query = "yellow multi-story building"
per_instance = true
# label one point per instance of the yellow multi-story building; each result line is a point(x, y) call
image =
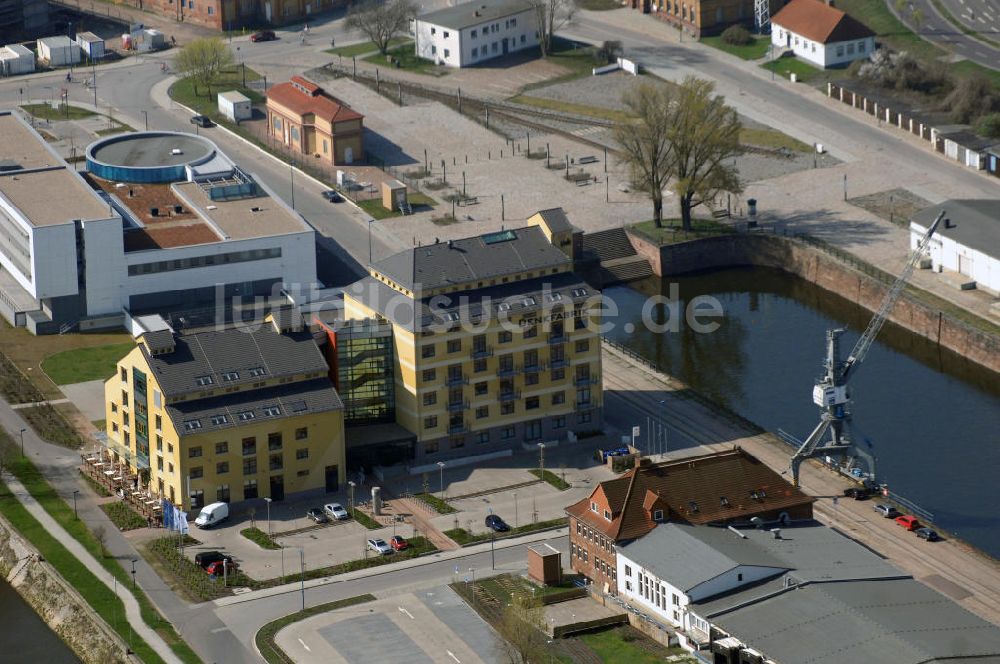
point(227, 414)
point(494, 338)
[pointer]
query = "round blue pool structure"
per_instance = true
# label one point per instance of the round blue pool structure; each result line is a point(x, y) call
point(148, 157)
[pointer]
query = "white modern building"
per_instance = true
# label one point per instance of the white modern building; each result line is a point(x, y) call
point(803, 593)
point(474, 32)
point(162, 221)
point(820, 34)
point(91, 44)
point(60, 51)
point(967, 242)
point(235, 105)
point(16, 59)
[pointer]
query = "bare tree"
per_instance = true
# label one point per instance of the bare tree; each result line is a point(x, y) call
point(380, 20)
point(101, 536)
point(552, 15)
point(706, 138)
point(519, 627)
point(203, 60)
point(643, 140)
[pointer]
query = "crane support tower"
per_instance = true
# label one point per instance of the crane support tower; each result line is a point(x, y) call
point(831, 392)
point(762, 16)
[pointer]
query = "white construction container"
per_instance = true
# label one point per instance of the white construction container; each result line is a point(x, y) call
point(16, 59)
point(92, 45)
point(58, 51)
point(235, 106)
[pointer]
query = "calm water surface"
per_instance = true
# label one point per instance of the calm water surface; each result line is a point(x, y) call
point(932, 417)
point(24, 638)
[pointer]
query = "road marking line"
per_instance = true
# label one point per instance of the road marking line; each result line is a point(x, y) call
point(402, 610)
point(219, 629)
point(452, 655)
point(304, 645)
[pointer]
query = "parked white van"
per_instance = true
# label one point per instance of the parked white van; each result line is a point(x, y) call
point(212, 515)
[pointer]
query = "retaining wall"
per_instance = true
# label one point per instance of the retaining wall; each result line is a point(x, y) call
point(828, 272)
point(57, 602)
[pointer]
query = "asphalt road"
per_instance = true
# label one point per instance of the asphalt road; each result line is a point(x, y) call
point(983, 16)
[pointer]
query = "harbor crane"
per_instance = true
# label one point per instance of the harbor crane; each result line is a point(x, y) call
point(831, 392)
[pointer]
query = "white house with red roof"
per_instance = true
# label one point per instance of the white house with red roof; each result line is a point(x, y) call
point(820, 33)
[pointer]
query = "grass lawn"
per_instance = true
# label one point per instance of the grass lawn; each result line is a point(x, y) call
point(621, 645)
point(440, 506)
point(260, 538)
point(118, 129)
point(52, 425)
point(407, 60)
point(790, 65)
point(577, 58)
point(754, 51)
point(551, 478)
point(598, 5)
point(967, 68)
point(671, 232)
point(83, 364)
point(123, 516)
point(419, 202)
point(96, 593)
point(265, 635)
point(365, 520)
point(772, 138)
point(461, 536)
point(365, 48)
point(570, 107)
point(46, 112)
point(890, 30)
point(183, 91)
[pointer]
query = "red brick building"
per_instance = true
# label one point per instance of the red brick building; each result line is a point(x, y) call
point(305, 119)
point(702, 17)
point(235, 14)
point(723, 488)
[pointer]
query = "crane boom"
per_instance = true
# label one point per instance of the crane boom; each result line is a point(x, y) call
point(864, 343)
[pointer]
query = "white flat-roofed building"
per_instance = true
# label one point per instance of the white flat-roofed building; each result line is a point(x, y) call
point(474, 32)
point(92, 45)
point(16, 59)
point(58, 51)
point(79, 249)
point(966, 242)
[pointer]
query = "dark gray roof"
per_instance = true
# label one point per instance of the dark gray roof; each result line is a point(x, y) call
point(484, 257)
point(975, 223)
point(287, 318)
point(270, 403)
point(520, 297)
point(556, 220)
point(159, 338)
point(687, 556)
point(233, 356)
point(898, 621)
point(469, 14)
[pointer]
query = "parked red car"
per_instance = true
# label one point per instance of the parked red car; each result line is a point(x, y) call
point(398, 543)
point(217, 569)
point(908, 522)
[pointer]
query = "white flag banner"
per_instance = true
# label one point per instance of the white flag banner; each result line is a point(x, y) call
point(184, 523)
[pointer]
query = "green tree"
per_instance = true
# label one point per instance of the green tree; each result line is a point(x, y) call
point(644, 141)
point(203, 60)
point(380, 21)
point(705, 135)
point(520, 629)
point(989, 125)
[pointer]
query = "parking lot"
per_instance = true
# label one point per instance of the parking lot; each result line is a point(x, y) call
point(430, 627)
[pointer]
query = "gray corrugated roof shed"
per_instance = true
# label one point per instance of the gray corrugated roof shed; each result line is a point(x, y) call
point(975, 223)
point(229, 410)
point(233, 356)
point(890, 622)
point(469, 14)
point(483, 257)
point(687, 556)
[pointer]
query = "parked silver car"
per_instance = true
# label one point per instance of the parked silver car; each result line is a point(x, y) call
point(379, 546)
point(888, 511)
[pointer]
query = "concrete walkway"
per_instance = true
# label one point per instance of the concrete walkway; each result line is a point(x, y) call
point(131, 605)
point(33, 404)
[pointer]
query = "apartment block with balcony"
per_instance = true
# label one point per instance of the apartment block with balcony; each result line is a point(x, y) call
point(495, 342)
point(226, 415)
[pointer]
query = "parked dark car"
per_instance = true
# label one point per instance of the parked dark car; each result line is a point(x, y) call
point(263, 35)
point(206, 558)
point(927, 534)
point(317, 515)
point(202, 121)
point(333, 196)
point(494, 522)
point(857, 492)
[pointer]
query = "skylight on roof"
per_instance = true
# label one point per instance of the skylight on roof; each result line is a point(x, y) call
point(191, 425)
point(257, 371)
point(579, 292)
point(272, 411)
point(218, 420)
point(503, 306)
point(246, 415)
point(298, 406)
point(499, 236)
point(204, 380)
point(553, 297)
point(230, 376)
point(528, 302)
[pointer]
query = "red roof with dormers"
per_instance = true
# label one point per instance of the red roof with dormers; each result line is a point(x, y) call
point(304, 97)
point(819, 22)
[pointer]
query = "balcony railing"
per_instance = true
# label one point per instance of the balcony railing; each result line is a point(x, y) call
point(511, 395)
point(558, 364)
point(585, 380)
point(457, 406)
point(507, 371)
point(453, 380)
point(458, 428)
point(557, 338)
point(533, 368)
point(480, 352)
point(584, 405)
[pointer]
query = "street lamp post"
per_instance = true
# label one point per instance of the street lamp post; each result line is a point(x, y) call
point(291, 170)
point(134, 561)
point(515, 509)
point(145, 119)
point(268, 501)
point(473, 572)
point(663, 407)
point(302, 578)
point(440, 468)
point(370, 241)
point(350, 497)
point(22, 442)
point(493, 558)
point(541, 458)
point(76, 515)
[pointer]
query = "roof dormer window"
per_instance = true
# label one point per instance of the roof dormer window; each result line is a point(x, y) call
point(202, 381)
point(593, 507)
point(607, 515)
point(723, 501)
point(230, 376)
point(692, 506)
point(658, 515)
